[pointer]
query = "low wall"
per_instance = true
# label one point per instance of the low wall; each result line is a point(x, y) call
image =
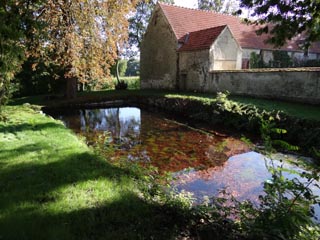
point(292, 85)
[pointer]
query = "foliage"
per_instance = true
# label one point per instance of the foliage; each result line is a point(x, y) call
point(42, 80)
point(133, 83)
point(121, 85)
point(138, 24)
point(133, 67)
point(256, 61)
point(306, 63)
point(285, 209)
point(288, 19)
point(82, 37)
point(225, 6)
point(215, 5)
point(284, 212)
point(281, 59)
point(11, 47)
point(122, 68)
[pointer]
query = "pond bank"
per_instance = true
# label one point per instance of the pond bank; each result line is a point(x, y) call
point(219, 111)
point(53, 186)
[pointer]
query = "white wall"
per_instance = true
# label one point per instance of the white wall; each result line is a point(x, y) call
point(225, 53)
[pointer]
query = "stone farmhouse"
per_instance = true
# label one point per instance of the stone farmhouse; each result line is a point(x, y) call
point(183, 45)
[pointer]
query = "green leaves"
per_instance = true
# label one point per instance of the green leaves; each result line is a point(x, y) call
point(288, 19)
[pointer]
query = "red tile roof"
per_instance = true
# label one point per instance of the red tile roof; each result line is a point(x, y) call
point(201, 39)
point(185, 20)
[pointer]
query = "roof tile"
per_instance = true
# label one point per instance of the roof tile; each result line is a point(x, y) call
point(186, 20)
point(201, 39)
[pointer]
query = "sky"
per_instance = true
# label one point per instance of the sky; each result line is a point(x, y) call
point(186, 3)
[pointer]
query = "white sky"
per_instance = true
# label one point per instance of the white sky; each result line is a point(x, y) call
point(186, 3)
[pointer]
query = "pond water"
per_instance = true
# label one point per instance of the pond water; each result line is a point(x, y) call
point(202, 163)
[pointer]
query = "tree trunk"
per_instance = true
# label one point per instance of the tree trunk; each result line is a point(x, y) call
point(71, 91)
point(117, 72)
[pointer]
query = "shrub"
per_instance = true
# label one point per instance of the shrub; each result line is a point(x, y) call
point(122, 85)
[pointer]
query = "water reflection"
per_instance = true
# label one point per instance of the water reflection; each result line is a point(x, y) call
point(137, 135)
point(121, 124)
point(242, 176)
point(212, 162)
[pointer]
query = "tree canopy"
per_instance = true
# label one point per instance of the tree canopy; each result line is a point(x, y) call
point(286, 19)
point(84, 36)
point(81, 37)
point(225, 6)
point(12, 50)
point(215, 5)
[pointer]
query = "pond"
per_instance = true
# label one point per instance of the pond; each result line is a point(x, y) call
point(202, 163)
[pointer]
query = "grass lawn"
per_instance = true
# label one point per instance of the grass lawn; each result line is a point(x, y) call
point(52, 186)
point(133, 82)
point(299, 110)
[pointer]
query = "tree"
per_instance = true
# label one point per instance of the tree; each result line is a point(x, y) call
point(122, 67)
point(212, 5)
point(82, 37)
point(11, 45)
point(133, 67)
point(138, 24)
point(286, 19)
point(223, 6)
point(231, 7)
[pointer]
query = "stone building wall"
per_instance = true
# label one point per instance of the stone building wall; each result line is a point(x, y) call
point(194, 66)
point(193, 70)
point(292, 85)
point(158, 55)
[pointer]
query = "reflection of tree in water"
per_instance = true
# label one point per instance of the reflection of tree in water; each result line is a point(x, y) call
point(124, 131)
point(128, 133)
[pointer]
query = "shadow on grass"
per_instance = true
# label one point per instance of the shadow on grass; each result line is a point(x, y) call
point(126, 218)
point(14, 128)
point(28, 190)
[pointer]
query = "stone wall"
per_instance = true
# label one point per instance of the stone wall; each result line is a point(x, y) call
point(193, 68)
point(293, 85)
point(158, 54)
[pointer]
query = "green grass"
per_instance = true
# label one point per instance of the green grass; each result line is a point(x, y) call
point(52, 186)
point(300, 110)
point(133, 83)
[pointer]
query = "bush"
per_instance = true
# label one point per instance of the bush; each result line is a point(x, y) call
point(133, 83)
point(122, 85)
